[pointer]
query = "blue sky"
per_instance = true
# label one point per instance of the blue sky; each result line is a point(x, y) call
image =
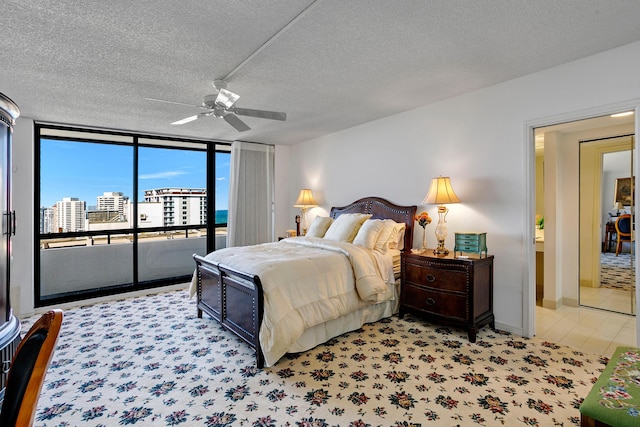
point(87, 170)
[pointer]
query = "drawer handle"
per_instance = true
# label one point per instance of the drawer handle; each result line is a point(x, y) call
point(431, 278)
point(430, 301)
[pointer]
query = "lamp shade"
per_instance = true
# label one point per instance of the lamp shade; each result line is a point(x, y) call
point(618, 205)
point(305, 199)
point(441, 192)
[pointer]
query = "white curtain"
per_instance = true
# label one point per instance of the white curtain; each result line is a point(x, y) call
point(251, 194)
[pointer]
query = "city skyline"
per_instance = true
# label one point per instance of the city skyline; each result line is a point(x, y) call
point(70, 169)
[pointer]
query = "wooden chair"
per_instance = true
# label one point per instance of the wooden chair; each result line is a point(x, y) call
point(623, 231)
point(28, 369)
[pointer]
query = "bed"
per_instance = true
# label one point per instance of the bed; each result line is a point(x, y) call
point(291, 295)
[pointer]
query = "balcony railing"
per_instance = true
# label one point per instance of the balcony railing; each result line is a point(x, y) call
point(82, 264)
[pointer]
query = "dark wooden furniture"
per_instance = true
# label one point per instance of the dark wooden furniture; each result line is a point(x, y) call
point(28, 370)
point(457, 291)
point(9, 324)
point(235, 299)
point(609, 233)
point(587, 421)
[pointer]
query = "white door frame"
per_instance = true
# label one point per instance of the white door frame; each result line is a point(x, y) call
point(529, 179)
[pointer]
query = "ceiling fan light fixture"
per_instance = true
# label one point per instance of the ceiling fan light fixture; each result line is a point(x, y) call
point(226, 98)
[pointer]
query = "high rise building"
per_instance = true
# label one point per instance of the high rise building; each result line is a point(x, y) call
point(47, 220)
point(180, 206)
point(113, 201)
point(70, 214)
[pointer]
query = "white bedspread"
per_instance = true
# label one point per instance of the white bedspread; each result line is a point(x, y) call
point(308, 281)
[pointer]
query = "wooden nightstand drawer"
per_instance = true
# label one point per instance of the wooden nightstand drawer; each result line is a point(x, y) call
point(436, 277)
point(440, 303)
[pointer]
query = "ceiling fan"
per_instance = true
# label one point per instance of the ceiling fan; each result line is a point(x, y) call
point(221, 105)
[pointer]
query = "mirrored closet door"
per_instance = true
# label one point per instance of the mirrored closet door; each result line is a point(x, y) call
point(607, 224)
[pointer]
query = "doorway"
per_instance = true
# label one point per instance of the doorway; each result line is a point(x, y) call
point(557, 209)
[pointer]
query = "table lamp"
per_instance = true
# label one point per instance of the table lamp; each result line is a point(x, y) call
point(618, 207)
point(441, 193)
point(304, 202)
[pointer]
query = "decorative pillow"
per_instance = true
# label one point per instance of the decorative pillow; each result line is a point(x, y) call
point(345, 227)
point(368, 234)
point(386, 235)
point(319, 226)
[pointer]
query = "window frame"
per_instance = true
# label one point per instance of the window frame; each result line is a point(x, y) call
point(52, 131)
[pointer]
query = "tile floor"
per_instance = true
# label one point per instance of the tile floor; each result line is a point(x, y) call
point(589, 329)
point(619, 300)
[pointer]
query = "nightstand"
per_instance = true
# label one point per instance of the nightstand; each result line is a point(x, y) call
point(456, 291)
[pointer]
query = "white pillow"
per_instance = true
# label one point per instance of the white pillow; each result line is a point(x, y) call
point(345, 227)
point(396, 240)
point(388, 227)
point(368, 234)
point(403, 228)
point(319, 226)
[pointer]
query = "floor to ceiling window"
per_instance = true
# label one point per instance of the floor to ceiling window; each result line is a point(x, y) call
point(119, 212)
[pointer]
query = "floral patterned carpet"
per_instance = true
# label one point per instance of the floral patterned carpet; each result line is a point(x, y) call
point(150, 361)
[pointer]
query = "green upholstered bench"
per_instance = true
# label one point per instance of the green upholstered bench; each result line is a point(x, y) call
point(614, 399)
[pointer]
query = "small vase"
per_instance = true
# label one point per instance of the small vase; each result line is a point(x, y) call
point(424, 240)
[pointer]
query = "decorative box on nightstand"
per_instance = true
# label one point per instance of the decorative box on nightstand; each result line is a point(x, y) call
point(472, 243)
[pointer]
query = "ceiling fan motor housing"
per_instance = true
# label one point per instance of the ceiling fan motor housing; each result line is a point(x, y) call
point(209, 101)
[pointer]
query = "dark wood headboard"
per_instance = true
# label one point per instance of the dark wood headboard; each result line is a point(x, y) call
point(380, 208)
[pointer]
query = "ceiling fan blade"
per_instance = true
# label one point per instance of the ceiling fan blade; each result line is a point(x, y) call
point(173, 102)
point(185, 120)
point(234, 121)
point(272, 115)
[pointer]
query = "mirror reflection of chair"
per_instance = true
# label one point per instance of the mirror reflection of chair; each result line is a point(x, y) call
point(28, 369)
point(623, 231)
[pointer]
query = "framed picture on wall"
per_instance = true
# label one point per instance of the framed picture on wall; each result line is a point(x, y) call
point(624, 191)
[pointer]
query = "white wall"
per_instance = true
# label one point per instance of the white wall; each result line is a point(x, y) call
point(480, 140)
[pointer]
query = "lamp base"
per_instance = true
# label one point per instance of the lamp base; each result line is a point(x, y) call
point(441, 250)
point(441, 231)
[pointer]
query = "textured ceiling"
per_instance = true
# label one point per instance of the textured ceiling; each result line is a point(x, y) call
point(340, 63)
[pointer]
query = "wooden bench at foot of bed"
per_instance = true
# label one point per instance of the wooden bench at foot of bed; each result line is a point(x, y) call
point(614, 400)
